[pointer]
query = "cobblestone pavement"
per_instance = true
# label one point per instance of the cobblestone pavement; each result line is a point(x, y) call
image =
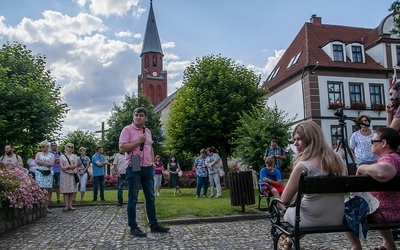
point(105, 227)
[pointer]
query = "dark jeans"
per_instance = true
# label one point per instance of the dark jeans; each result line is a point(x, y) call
point(202, 182)
point(121, 184)
point(135, 179)
point(98, 180)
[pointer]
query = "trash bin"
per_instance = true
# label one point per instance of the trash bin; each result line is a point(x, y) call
point(241, 189)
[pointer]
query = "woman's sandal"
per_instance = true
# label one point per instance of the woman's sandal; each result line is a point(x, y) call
point(285, 243)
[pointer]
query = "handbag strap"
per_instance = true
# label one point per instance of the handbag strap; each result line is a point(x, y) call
point(67, 159)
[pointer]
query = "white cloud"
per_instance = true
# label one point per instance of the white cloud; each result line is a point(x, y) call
point(123, 34)
point(168, 45)
point(81, 3)
point(272, 61)
point(138, 36)
point(169, 56)
point(112, 7)
point(177, 66)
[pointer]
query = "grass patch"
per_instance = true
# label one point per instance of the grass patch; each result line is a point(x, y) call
point(169, 206)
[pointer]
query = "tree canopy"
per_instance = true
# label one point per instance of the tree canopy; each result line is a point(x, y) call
point(80, 138)
point(206, 109)
point(31, 103)
point(257, 128)
point(122, 116)
point(395, 8)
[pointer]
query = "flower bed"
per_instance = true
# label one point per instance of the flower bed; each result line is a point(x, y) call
point(21, 199)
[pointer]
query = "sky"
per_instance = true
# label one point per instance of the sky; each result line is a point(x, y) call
point(93, 47)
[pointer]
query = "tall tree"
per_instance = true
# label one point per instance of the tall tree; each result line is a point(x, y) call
point(395, 8)
point(257, 128)
point(31, 103)
point(205, 111)
point(122, 116)
point(80, 138)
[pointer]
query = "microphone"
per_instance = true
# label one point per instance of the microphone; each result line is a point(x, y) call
point(142, 144)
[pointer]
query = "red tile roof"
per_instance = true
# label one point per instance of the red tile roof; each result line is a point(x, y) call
point(310, 40)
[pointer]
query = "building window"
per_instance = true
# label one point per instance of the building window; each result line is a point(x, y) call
point(154, 61)
point(335, 93)
point(294, 60)
point(338, 53)
point(146, 61)
point(355, 90)
point(336, 134)
point(398, 55)
point(357, 53)
point(376, 94)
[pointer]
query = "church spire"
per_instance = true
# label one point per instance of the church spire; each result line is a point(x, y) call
point(151, 42)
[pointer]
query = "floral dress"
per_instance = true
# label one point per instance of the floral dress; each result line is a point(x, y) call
point(67, 181)
point(44, 181)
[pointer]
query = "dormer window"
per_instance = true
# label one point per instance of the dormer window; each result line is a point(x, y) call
point(338, 52)
point(357, 54)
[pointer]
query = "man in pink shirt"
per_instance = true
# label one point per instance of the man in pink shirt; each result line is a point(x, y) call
point(136, 139)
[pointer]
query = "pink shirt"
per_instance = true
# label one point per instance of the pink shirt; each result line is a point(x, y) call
point(132, 133)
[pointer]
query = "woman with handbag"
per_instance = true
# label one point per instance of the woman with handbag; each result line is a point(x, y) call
point(68, 182)
point(44, 173)
point(83, 170)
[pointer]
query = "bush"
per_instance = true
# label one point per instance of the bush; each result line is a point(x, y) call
point(188, 179)
point(111, 181)
point(18, 189)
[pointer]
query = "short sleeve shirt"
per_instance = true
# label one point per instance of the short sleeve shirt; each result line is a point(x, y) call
point(97, 170)
point(274, 175)
point(132, 133)
point(201, 169)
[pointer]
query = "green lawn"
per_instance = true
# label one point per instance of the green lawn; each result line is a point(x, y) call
point(180, 206)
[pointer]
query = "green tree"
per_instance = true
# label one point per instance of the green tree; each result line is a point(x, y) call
point(206, 110)
point(257, 128)
point(80, 138)
point(122, 116)
point(31, 103)
point(395, 8)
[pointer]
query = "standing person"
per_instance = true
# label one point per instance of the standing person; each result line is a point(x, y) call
point(83, 170)
point(317, 158)
point(213, 164)
point(392, 109)
point(99, 161)
point(360, 141)
point(201, 173)
point(68, 166)
point(158, 174)
point(119, 166)
point(56, 170)
point(45, 161)
point(32, 166)
point(173, 169)
point(11, 157)
point(136, 139)
point(384, 144)
point(278, 153)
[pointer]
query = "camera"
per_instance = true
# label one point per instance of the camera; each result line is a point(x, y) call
point(339, 114)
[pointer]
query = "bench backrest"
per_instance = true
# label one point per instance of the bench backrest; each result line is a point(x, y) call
point(345, 184)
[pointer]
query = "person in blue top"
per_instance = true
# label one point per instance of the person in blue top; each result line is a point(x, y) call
point(201, 173)
point(99, 161)
point(272, 176)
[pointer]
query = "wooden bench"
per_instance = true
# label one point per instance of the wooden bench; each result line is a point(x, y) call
point(326, 185)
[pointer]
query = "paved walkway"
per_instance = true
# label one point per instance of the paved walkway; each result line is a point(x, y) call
point(104, 227)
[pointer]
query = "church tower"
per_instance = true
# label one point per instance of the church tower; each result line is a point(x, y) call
point(153, 79)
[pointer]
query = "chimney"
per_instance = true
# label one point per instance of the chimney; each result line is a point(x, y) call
point(316, 20)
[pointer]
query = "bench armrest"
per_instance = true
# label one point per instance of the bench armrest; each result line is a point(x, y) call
point(275, 213)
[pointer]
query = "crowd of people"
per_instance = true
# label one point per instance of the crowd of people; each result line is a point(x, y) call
point(376, 154)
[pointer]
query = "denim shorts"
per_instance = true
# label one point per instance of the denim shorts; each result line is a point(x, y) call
point(56, 181)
